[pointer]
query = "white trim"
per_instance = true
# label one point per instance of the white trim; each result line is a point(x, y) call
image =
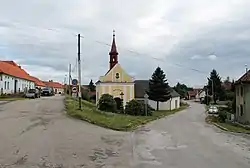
point(116, 84)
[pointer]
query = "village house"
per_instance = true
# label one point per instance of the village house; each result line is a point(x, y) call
point(142, 86)
point(193, 94)
point(200, 96)
point(58, 88)
point(13, 79)
point(116, 81)
point(38, 83)
point(242, 89)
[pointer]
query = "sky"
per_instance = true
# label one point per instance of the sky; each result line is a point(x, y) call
point(187, 39)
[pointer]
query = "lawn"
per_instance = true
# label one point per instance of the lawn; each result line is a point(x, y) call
point(234, 128)
point(113, 121)
point(11, 98)
point(226, 126)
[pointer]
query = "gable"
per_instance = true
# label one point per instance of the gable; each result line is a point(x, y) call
point(116, 74)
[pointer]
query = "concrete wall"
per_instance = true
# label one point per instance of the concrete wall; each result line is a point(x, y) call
point(168, 105)
point(7, 84)
point(243, 100)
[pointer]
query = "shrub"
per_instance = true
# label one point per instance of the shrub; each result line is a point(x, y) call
point(234, 106)
point(85, 95)
point(134, 107)
point(137, 108)
point(222, 116)
point(107, 103)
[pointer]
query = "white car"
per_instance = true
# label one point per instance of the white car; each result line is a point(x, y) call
point(212, 110)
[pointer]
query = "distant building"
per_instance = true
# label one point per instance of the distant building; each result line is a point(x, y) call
point(13, 79)
point(141, 86)
point(58, 88)
point(242, 89)
point(38, 83)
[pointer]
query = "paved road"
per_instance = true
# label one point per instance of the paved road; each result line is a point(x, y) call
point(37, 133)
point(184, 140)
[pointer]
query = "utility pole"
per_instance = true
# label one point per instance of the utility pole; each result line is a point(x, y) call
point(79, 72)
point(212, 89)
point(69, 79)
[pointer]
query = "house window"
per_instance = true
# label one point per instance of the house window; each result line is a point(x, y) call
point(241, 91)
point(241, 110)
point(1, 78)
point(117, 75)
point(5, 85)
point(8, 86)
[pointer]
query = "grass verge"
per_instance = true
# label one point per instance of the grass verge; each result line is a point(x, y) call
point(119, 122)
point(11, 98)
point(227, 126)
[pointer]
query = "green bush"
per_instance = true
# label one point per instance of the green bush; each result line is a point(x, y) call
point(222, 115)
point(134, 107)
point(137, 108)
point(234, 106)
point(85, 95)
point(107, 103)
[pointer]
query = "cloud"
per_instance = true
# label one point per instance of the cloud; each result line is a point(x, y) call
point(212, 57)
point(196, 57)
point(177, 35)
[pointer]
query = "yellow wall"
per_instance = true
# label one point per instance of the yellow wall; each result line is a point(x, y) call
point(109, 84)
point(115, 90)
point(111, 75)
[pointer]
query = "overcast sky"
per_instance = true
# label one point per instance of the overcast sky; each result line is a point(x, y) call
point(180, 36)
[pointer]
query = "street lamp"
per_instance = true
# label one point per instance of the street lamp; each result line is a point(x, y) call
point(146, 103)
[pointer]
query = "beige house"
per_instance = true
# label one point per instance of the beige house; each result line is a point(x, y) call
point(242, 89)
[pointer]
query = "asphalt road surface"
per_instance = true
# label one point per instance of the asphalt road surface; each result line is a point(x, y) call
point(184, 140)
point(37, 133)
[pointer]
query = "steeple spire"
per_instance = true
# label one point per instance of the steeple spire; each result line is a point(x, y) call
point(113, 53)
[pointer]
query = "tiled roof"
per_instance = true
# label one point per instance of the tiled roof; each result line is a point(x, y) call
point(37, 81)
point(244, 79)
point(12, 69)
point(192, 93)
point(141, 86)
point(53, 84)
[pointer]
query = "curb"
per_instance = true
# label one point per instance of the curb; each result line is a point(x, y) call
point(223, 128)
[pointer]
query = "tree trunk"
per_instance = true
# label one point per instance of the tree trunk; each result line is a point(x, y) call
point(157, 107)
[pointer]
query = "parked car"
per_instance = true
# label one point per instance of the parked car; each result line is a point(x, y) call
point(32, 93)
point(47, 92)
point(212, 110)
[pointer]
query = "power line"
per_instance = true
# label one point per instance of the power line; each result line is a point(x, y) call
point(106, 44)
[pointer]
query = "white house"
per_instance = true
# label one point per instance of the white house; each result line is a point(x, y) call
point(141, 86)
point(200, 96)
point(13, 79)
